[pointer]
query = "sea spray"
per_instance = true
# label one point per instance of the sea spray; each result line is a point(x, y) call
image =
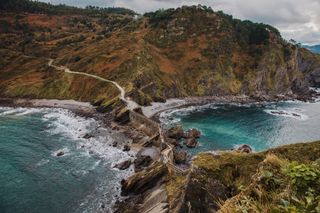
point(80, 180)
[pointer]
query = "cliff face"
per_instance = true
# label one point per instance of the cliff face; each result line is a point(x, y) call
point(189, 51)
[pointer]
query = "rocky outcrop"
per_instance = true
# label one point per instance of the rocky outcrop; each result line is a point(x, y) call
point(173, 142)
point(175, 132)
point(141, 162)
point(124, 165)
point(191, 142)
point(192, 133)
point(244, 148)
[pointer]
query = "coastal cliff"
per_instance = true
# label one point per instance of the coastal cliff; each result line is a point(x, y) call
point(188, 51)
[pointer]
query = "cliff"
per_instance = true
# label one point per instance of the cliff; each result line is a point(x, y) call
point(189, 51)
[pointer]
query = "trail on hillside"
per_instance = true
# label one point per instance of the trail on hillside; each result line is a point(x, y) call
point(130, 104)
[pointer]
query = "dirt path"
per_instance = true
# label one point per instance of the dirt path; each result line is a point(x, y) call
point(130, 104)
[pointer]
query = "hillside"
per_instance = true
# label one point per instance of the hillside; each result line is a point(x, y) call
point(284, 179)
point(189, 51)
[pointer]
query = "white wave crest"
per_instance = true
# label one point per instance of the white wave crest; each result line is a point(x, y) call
point(20, 111)
point(296, 114)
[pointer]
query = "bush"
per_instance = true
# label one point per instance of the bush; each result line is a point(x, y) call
point(302, 176)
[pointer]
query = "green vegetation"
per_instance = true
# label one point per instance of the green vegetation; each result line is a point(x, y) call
point(188, 51)
point(284, 179)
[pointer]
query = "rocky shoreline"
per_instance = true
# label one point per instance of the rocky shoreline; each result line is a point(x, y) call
point(154, 112)
point(147, 166)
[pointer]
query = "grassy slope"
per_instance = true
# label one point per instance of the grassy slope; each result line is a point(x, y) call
point(273, 181)
point(190, 52)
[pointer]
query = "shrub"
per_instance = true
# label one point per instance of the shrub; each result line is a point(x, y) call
point(302, 176)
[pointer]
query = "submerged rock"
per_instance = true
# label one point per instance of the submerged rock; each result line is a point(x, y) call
point(87, 136)
point(175, 132)
point(59, 154)
point(124, 165)
point(192, 133)
point(126, 148)
point(191, 142)
point(244, 148)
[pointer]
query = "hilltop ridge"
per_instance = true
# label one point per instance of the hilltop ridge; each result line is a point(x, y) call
point(188, 51)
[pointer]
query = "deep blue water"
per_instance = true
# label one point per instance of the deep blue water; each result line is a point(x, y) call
point(224, 127)
point(34, 179)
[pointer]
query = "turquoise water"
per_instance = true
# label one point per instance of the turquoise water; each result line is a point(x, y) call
point(34, 179)
point(224, 127)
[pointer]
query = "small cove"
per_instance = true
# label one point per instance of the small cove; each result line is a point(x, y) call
point(262, 126)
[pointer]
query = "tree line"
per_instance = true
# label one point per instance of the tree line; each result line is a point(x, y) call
point(61, 9)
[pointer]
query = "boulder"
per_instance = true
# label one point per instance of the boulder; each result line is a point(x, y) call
point(126, 148)
point(192, 133)
point(175, 132)
point(115, 144)
point(244, 148)
point(124, 165)
point(180, 157)
point(173, 142)
point(141, 162)
point(191, 142)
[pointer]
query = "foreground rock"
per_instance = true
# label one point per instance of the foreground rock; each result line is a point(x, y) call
point(175, 132)
point(244, 148)
point(191, 142)
point(142, 162)
point(124, 165)
point(192, 133)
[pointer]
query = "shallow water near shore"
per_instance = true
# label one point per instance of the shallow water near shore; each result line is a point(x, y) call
point(225, 127)
point(34, 179)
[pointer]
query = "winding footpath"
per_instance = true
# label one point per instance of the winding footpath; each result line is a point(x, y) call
point(131, 105)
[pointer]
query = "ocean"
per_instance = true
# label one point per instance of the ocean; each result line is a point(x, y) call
point(34, 179)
